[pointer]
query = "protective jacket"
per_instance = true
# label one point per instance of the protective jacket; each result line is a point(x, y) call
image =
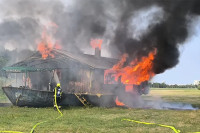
point(58, 91)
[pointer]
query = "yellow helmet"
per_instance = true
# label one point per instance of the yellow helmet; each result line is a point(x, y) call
point(58, 85)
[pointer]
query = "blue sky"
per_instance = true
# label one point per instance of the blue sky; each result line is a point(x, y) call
point(188, 68)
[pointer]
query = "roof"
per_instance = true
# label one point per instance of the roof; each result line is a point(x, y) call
point(91, 60)
point(61, 60)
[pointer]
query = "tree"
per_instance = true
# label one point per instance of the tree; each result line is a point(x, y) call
point(3, 62)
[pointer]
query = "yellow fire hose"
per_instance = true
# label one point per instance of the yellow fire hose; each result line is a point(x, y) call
point(147, 123)
point(32, 130)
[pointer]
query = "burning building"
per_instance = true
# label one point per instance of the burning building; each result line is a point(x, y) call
point(80, 75)
point(146, 34)
point(84, 78)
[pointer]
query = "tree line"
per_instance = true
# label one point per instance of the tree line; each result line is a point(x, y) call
point(8, 57)
point(164, 85)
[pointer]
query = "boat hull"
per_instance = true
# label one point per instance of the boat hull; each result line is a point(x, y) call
point(37, 98)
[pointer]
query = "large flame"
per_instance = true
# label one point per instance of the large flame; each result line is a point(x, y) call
point(129, 88)
point(47, 43)
point(136, 72)
point(96, 43)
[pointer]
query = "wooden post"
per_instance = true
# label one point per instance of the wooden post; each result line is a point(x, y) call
point(25, 79)
point(90, 80)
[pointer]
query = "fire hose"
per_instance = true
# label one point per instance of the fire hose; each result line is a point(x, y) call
point(147, 123)
point(55, 99)
point(34, 127)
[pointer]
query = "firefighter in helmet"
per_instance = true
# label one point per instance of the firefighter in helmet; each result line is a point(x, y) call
point(57, 94)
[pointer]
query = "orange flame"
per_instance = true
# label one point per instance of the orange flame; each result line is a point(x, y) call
point(46, 45)
point(129, 88)
point(135, 73)
point(118, 103)
point(96, 43)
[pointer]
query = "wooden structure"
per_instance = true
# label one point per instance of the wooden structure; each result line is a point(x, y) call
point(80, 75)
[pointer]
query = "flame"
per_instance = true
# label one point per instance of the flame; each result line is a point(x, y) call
point(46, 45)
point(135, 73)
point(96, 43)
point(129, 88)
point(118, 103)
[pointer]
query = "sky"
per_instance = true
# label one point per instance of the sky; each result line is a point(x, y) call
point(188, 68)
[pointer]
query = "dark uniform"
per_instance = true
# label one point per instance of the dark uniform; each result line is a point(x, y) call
point(58, 94)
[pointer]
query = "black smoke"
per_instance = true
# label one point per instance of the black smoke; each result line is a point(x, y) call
point(79, 21)
point(165, 36)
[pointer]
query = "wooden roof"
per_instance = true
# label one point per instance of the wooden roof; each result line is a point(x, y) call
point(61, 60)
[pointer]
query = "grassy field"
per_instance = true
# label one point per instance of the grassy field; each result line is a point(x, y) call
point(79, 119)
point(186, 95)
point(3, 97)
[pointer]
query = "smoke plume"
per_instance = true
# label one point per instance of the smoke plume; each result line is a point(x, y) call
point(134, 27)
point(164, 35)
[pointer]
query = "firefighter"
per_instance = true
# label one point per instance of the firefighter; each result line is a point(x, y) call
point(58, 95)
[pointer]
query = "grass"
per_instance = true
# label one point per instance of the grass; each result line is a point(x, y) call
point(79, 119)
point(2, 95)
point(186, 95)
point(174, 89)
point(3, 98)
point(97, 120)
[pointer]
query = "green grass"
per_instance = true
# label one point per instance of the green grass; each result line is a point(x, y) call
point(174, 89)
point(187, 95)
point(2, 95)
point(83, 120)
point(97, 120)
point(3, 98)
